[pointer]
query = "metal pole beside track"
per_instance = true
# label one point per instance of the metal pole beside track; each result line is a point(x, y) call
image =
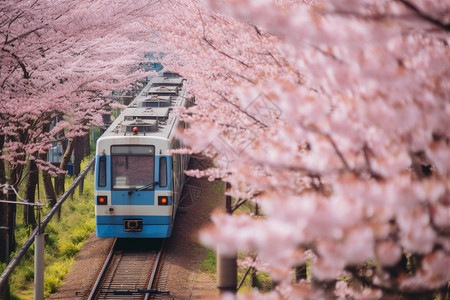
point(226, 264)
point(39, 266)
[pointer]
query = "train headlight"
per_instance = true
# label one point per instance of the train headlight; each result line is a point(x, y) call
point(163, 200)
point(102, 200)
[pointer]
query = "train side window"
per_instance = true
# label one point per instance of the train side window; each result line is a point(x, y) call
point(163, 171)
point(102, 172)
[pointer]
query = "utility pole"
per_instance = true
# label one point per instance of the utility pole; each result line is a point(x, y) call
point(226, 265)
point(39, 244)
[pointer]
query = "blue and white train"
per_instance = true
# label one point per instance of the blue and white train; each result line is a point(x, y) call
point(137, 181)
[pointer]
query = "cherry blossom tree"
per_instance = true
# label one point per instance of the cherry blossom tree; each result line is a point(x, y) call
point(334, 117)
point(60, 60)
point(56, 59)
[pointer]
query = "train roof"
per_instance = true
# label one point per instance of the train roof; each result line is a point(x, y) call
point(151, 113)
point(163, 90)
point(168, 81)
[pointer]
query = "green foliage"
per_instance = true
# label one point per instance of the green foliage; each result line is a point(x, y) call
point(95, 134)
point(263, 282)
point(68, 249)
point(218, 187)
point(64, 237)
point(82, 232)
point(51, 240)
point(54, 275)
point(14, 297)
point(50, 285)
point(247, 208)
point(209, 265)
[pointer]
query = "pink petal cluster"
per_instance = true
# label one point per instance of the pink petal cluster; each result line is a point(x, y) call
point(333, 117)
point(59, 61)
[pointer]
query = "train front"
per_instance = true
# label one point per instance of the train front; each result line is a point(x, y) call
point(132, 187)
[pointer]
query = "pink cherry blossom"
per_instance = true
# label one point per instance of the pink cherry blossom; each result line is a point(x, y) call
point(332, 116)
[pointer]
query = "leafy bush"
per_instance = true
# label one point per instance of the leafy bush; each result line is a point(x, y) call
point(54, 276)
point(50, 285)
point(69, 249)
point(82, 232)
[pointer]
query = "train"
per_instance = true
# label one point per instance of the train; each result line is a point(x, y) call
point(138, 181)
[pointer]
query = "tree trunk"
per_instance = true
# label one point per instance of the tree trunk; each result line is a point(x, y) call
point(59, 181)
point(4, 233)
point(87, 144)
point(11, 196)
point(78, 152)
point(30, 192)
point(15, 175)
point(48, 185)
point(50, 194)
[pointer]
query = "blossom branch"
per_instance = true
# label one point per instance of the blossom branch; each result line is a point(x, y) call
point(224, 53)
point(26, 75)
point(424, 16)
point(242, 111)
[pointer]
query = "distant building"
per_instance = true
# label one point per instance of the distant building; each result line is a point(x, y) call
point(55, 154)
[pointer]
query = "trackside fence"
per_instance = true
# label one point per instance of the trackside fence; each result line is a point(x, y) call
point(22, 251)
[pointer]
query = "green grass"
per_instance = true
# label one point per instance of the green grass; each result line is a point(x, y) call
point(64, 237)
point(209, 264)
point(217, 187)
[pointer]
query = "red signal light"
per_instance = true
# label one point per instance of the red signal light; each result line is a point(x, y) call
point(102, 200)
point(163, 200)
point(135, 129)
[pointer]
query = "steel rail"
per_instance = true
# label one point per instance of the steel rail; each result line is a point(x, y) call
point(96, 290)
point(155, 268)
point(102, 271)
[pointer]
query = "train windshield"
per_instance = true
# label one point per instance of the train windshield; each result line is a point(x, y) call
point(132, 166)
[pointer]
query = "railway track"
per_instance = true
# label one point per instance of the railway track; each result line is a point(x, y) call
point(130, 270)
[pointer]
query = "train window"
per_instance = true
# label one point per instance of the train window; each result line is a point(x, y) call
point(102, 171)
point(163, 171)
point(132, 166)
